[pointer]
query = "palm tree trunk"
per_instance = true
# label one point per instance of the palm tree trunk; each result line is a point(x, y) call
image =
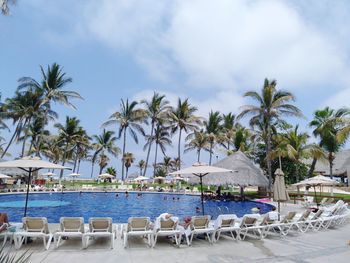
point(78, 165)
point(149, 149)
point(179, 149)
point(101, 169)
point(30, 147)
point(127, 170)
point(140, 171)
point(330, 158)
point(312, 168)
point(42, 132)
point(64, 160)
point(211, 152)
point(12, 138)
point(198, 155)
point(92, 167)
point(268, 160)
point(124, 142)
point(75, 160)
point(155, 160)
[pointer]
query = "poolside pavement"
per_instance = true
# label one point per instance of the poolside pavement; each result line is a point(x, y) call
point(323, 246)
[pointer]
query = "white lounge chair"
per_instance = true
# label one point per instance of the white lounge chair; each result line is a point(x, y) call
point(138, 226)
point(5, 233)
point(33, 227)
point(248, 225)
point(199, 225)
point(167, 228)
point(300, 223)
point(70, 227)
point(224, 224)
point(99, 227)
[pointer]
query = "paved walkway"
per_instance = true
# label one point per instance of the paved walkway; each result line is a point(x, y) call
point(325, 246)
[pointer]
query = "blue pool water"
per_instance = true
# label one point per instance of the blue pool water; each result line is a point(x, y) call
point(55, 205)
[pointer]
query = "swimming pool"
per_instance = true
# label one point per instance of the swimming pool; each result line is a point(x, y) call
point(55, 205)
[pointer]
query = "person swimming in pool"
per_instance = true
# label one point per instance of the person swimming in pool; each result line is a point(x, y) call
point(126, 194)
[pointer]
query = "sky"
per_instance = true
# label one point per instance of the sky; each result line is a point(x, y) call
point(211, 52)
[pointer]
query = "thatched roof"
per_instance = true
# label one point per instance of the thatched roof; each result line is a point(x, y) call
point(245, 172)
point(341, 164)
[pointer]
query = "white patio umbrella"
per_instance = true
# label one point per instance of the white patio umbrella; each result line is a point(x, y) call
point(141, 178)
point(4, 176)
point(318, 180)
point(106, 176)
point(200, 170)
point(30, 165)
point(48, 174)
point(280, 193)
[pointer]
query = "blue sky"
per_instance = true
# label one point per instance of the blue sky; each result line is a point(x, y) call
point(209, 51)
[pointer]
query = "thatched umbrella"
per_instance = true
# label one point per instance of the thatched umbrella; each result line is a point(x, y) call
point(200, 170)
point(30, 165)
point(245, 172)
point(280, 193)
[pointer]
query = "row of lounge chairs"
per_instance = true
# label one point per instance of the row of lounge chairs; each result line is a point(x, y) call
point(252, 225)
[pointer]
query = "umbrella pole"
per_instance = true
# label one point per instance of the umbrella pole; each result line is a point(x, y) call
point(202, 197)
point(28, 183)
point(279, 209)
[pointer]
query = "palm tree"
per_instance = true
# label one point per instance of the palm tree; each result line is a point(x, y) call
point(329, 125)
point(22, 109)
point(104, 143)
point(272, 104)
point(82, 145)
point(161, 138)
point(4, 5)
point(182, 118)
point(67, 136)
point(128, 161)
point(212, 129)
point(168, 164)
point(156, 109)
point(129, 119)
point(141, 165)
point(229, 127)
point(51, 89)
point(102, 161)
point(111, 171)
point(294, 146)
point(198, 140)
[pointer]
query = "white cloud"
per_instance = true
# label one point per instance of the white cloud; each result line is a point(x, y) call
point(338, 100)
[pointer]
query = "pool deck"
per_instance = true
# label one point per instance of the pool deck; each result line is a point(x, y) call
point(323, 246)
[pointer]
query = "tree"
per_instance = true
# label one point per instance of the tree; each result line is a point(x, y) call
point(128, 161)
point(212, 129)
point(141, 165)
point(51, 88)
point(4, 5)
point(198, 141)
point(129, 118)
point(228, 130)
point(168, 164)
point(157, 110)
point(22, 109)
point(329, 127)
point(271, 105)
point(111, 171)
point(67, 136)
point(104, 143)
point(161, 138)
point(182, 118)
point(293, 145)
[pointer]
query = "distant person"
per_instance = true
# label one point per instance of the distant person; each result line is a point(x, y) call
point(126, 194)
point(165, 198)
point(178, 199)
point(256, 210)
point(116, 195)
point(173, 198)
